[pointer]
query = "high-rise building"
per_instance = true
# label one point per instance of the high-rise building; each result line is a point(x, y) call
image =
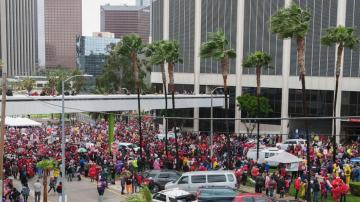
point(245, 23)
point(19, 36)
point(91, 52)
point(143, 2)
point(123, 20)
point(63, 23)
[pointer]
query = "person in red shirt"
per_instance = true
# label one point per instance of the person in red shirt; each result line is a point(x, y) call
point(297, 184)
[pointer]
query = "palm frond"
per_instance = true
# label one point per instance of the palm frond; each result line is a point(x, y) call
point(290, 22)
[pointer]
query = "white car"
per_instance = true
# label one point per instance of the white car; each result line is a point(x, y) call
point(289, 142)
point(176, 195)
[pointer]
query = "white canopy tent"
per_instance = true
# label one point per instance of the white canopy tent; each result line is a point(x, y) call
point(291, 161)
point(21, 122)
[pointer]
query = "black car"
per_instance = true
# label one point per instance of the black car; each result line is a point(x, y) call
point(215, 193)
point(156, 179)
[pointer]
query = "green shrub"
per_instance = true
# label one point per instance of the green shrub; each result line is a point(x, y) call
point(355, 188)
point(143, 196)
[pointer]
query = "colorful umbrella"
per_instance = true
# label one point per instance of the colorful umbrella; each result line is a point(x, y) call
point(82, 150)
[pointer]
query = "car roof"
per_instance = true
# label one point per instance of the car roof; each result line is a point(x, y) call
point(174, 192)
point(215, 187)
point(209, 172)
point(241, 195)
point(162, 171)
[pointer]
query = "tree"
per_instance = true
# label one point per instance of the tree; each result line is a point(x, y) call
point(258, 60)
point(132, 46)
point(78, 82)
point(253, 106)
point(28, 84)
point(342, 37)
point(293, 22)
point(156, 52)
point(172, 56)
point(46, 165)
point(118, 73)
point(217, 47)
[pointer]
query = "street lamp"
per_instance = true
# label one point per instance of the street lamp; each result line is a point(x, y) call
point(211, 123)
point(63, 131)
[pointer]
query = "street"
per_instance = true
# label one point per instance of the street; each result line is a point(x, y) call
point(83, 190)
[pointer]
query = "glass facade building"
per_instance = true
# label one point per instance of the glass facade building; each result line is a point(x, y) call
point(91, 53)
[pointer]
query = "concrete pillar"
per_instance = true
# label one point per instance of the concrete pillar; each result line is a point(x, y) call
point(285, 83)
point(3, 27)
point(166, 27)
point(341, 17)
point(239, 57)
point(197, 44)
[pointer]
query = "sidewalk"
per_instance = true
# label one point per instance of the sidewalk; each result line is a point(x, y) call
point(248, 189)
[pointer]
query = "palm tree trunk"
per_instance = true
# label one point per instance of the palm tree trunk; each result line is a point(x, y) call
point(224, 64)
point(338, 64)
point(166, 107)
point(301, 64)
point(258, 73)
point(172, 89)
point(138, 88)
point(45, 185)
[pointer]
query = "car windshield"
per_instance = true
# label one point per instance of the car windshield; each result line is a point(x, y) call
point(184, 198)
point(148, 175)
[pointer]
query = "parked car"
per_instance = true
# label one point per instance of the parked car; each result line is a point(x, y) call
point(215, 194)
point(173, 195)
point(192, 181)
point(252, 197)
point(156, 179)
point(289, 142)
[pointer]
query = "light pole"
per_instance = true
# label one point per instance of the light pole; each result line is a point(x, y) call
point(211, 123)
point(63, 131)
point(3, 129)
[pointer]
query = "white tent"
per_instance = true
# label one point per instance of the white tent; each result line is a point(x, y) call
point(284, 157)
point(291, 161)
point(20, 122)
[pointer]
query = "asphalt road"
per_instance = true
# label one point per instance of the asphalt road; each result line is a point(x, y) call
point(82, 191)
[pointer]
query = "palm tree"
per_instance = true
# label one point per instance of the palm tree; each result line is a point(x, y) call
point(132, 46)
point(28, 84)
point(46, 165)
point(293, 22)
point(172, 56)
point(342, 37)
point(217, 47)
point(257, 59)
point(157, 54)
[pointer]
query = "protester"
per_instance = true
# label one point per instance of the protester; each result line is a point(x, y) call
point(37, 190)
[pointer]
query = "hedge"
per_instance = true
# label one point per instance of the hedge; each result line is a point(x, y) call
point(355, 188)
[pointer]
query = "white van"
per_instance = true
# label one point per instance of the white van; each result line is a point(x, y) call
point(128, 145)
point(264, 154)
point(289, 142)
point(192, 181)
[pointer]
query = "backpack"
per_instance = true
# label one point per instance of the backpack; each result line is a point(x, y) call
point(25, 191)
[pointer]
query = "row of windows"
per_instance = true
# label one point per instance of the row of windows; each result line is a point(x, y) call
point(197, 179)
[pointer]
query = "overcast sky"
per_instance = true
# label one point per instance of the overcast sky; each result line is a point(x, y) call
point(91, 13)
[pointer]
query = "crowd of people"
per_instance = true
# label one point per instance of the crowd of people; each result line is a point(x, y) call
point(87, 154)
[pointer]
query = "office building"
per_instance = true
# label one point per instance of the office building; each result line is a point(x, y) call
point(143, 2)
point(63, 23)
point(19, 36)
point(245, 23)
point(123, 20)
point(91, 52)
